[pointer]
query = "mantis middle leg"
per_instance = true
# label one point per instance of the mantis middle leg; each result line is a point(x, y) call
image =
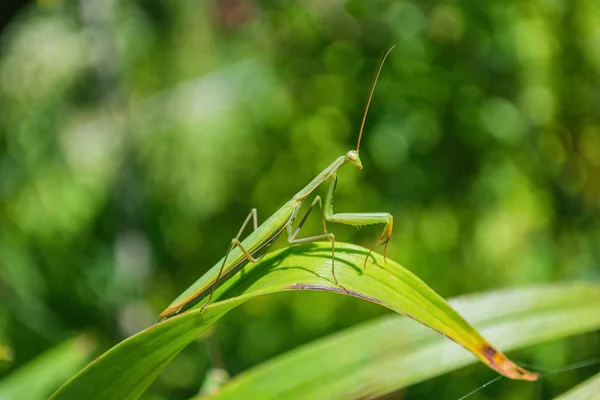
point(293, 234)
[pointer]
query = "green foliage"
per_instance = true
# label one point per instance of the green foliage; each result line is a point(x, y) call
point(587, 390)
point(527, 317)
point(126, 370)
point(44, 374)
point(393, 352)
point(5, 357)
point(135, 136)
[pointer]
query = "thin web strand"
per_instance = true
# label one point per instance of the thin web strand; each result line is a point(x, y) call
point(496, 379)
point(544, 374)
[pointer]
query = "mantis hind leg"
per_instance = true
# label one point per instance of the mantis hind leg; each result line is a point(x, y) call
point(358, 219)
point(236, 242)
point(293, 234)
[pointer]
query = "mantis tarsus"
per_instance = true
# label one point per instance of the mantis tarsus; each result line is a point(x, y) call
point(254, 247)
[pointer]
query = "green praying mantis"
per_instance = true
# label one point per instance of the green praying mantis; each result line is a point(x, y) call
point(254, 247)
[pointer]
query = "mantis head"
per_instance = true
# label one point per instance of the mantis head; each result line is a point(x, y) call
point(352, 157)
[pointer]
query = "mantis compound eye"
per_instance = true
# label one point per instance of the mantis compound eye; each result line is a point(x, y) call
point(352, 156)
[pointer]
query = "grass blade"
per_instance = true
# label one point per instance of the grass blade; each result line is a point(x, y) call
point(126, 370)
point(392, 352)
point(588, 390)
point(38, 378)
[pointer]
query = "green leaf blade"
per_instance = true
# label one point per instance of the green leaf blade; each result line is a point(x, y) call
point(38, 378)
point(587, 390)
point(391, 353)
point(126, 370)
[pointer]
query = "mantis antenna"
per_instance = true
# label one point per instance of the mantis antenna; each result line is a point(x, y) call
point(362, 125)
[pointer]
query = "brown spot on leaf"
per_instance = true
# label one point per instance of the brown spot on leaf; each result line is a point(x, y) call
point(489, 352)
point(504, 366)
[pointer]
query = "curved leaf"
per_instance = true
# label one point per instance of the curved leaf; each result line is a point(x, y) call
point(38, 378)
point(126, 370)
point(391, 352)
point(587, 390)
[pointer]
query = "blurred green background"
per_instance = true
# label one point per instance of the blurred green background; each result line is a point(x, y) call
point(135, 137)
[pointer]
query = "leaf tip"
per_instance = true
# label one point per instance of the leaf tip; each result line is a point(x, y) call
point(504, 366)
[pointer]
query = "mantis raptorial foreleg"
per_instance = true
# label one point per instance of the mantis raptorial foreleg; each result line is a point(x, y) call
point(236, 242)
point(359, 219)
point(292, 235)
point(316, 201)
point(254, 217)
